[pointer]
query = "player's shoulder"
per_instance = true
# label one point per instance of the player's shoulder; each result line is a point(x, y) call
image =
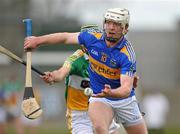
point(73, 58)
point(76, 55)
point(97, 35)
point(92, 30)
point(128, 50)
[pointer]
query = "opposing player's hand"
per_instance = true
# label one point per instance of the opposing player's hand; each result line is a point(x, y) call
point(106, 92)
point(30, 42)
point(48, 77)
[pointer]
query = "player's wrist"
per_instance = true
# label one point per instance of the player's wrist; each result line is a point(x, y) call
point(120, 93)
point(39, 41)
point(55, 77)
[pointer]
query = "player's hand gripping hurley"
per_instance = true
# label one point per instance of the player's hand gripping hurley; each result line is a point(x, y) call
point(30, 107)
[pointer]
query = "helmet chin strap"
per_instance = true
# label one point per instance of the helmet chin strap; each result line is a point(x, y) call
point(111, 39)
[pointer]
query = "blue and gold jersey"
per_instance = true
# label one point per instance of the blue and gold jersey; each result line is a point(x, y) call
point(107, 64)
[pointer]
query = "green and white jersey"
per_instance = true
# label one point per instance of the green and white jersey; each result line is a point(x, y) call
point(77, 81)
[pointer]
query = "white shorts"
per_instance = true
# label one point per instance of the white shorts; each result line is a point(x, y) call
point(126, 111)
point(113, 127)
point(79, 123)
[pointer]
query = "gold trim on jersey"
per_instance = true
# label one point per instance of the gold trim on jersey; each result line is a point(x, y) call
point(125, 51)
point(97, 35)
point(67, 64)
point(72, 58)
point(104, 70)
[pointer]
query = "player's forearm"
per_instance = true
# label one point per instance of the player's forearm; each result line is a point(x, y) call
point(60, 74)
point(121, 92)
point(55, 38)
point(51, 39)
point(125, 89)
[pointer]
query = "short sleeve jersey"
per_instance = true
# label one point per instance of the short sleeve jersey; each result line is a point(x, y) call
point(107, 64)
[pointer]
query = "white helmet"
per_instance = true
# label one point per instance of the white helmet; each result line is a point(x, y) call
point(119, 15)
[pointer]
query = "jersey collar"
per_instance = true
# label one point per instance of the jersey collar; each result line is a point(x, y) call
point(120, 44)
